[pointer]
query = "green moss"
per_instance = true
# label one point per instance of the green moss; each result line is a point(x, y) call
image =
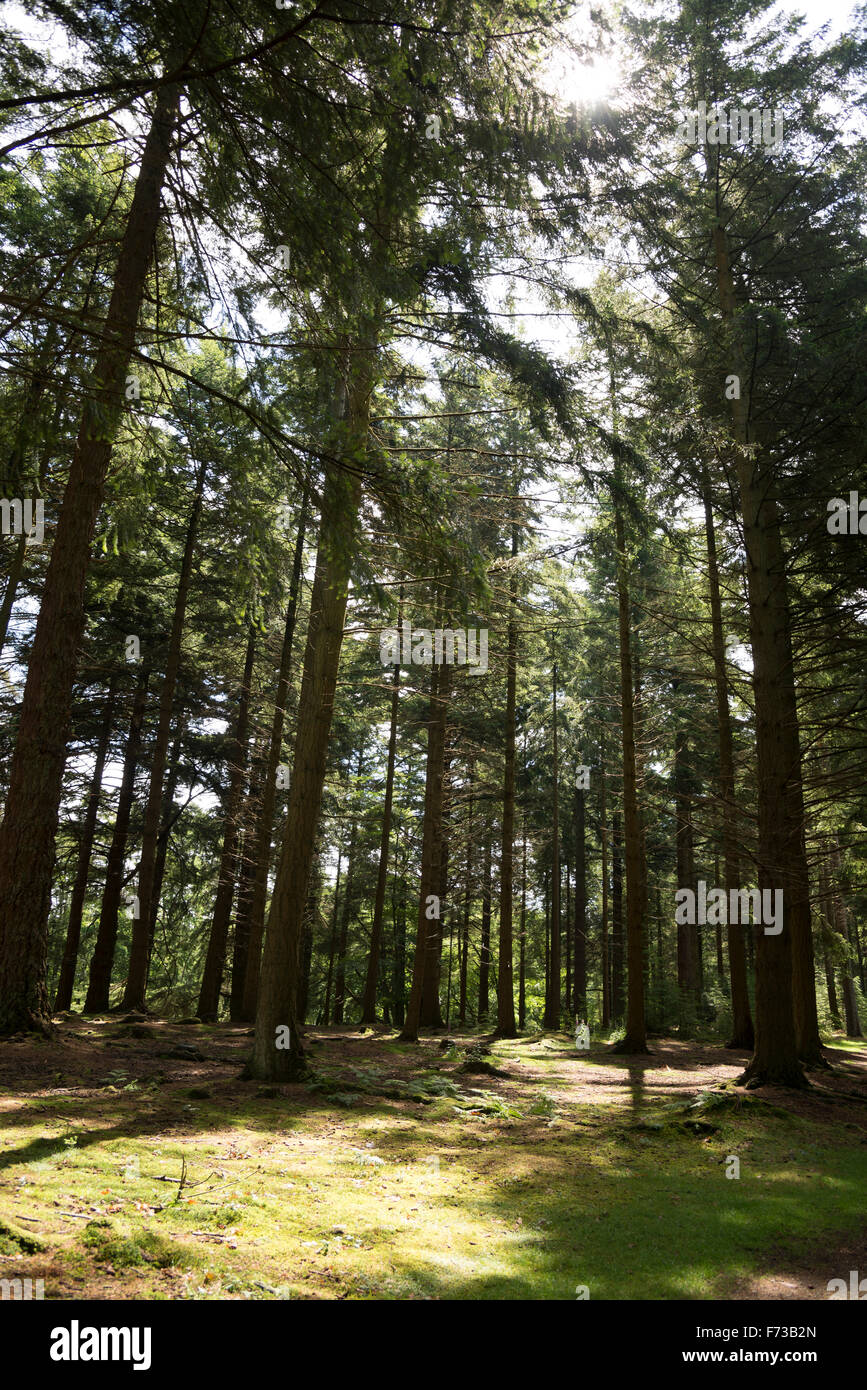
point(144, 1247)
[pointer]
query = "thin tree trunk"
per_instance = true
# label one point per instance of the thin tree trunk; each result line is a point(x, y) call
point(430, 1015)
point(240, 948)
point(337, 541)
point(783, 1035)
point(36, 775)
point(307, 938)
point(485, 952)
point(684, 857)
point(636, 874)
point(850, 1001)
point(168, 819)
point(102, 961)
point(579, 982)
point(505, 979)
point(333, 946)
point(427, 930)
point(465, 928)
point(617, 982)
point(368, 1007)
point(215, 960)
point(829, 929)
point(398, 918)
point(522, 961)
point(743, 1035)
point(265, 829)
point(346, 913)
point(66, 982)
point(606, 973)
point(552, 995)
point(139, 955)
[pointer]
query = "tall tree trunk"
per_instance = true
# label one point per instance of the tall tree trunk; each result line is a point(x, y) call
point(567, 929)
point(505, 980)
point(829, 929)
point(368, 1007)
point(618, 994)
point(850, 1000)
point(783, 1035)
point(398, 918)
point(522, 959)
point(579, 983)
point(485, 952)
point(552, 994)
point(347, 910)
point(430, 1015)
point(168, 820)
point(240, 947)
point(326, 1009)
point(465, 928)
point(427, 930)
point(269, 792)
point(685, 860)
point(337, 541)
point(99, 981)
point(636, 873)
point(66, 982)
point(36, 775)
point(139, 955)
point(215, 960)
point(743, 1035)
point(606, 973)
point(307, 938)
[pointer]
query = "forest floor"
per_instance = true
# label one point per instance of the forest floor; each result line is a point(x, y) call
point(135, 1163)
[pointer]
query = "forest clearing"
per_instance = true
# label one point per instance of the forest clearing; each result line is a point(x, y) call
point(394, 1175)
point(433, 634)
